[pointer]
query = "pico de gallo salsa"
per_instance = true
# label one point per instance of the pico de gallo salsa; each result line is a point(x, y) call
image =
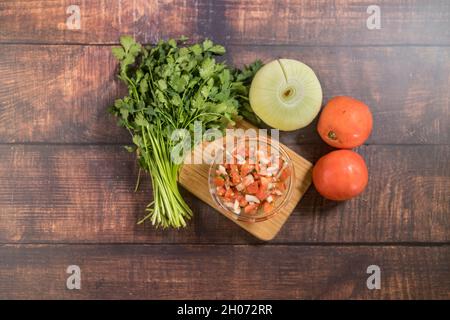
point(252, 184)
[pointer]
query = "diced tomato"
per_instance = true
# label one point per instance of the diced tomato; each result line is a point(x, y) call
point(248, 180)
point(267, 207)
point(219, 181)
point(235, 178)
point(242, 201)
point(285, 174)
point(280, 186)
point(246, 169)
point(261, 194)
point(251, 208)
point(264, 183)
point(253, 188)
point(220, 191)
point(229, 194)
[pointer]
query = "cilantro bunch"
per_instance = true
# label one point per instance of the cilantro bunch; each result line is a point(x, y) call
point(170, 86)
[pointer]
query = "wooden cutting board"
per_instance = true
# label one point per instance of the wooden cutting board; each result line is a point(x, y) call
point(194, 178)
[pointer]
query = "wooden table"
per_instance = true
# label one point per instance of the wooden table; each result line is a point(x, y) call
point(66, 183)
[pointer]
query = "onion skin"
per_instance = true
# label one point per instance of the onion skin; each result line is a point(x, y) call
point(286, 94)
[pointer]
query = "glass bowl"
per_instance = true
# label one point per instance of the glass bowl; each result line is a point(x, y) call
point(268, 144)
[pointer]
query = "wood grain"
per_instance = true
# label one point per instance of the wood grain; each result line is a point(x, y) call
point(223, 272)
point(84, 194)
point(60, 94)
point(311, 22)
point(101, 21)
point(66, 184)
point(195, 179)
point(58, 91)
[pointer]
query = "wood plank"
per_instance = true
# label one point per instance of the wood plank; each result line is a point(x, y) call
point(84, 194)
point(223, 272)
point(60, 94)
point(311, 22)
point(101, 21)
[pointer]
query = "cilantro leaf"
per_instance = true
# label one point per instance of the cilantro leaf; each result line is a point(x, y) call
point(170, 86)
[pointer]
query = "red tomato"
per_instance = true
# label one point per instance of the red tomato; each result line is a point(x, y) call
point(220, 191)
point(280, 186)
point(345, 123)
point(267, 207)
point(242, 201)
point(229, 194)
point(261, 194)
point(235, 178)
point(340, 175)
point(248, 178)
point(253, 188)
point(285, 174)
point(246, 169)
point(251, 208)
point(218, 181)
point(264, 184)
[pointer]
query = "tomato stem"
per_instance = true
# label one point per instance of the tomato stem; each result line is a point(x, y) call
point(332, 135)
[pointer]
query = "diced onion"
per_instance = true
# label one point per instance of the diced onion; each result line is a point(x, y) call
point(251, 198)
